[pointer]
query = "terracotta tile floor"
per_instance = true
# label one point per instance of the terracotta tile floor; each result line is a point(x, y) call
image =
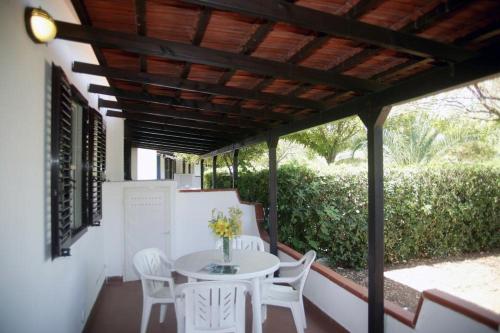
point(118, 309)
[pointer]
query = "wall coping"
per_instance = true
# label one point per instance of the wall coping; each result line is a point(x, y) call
point(466, 308)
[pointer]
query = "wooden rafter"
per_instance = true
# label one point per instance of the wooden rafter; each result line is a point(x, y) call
point(189, 104)
point(437, 79)
point(177, 122)
point(167, 111)
point(182, 131)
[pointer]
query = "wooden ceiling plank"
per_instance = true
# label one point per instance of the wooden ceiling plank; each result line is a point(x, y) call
point(340, 26)
point(201, 28)
point(357, 10)
point(196, 86)
point(186, 103)
point(423, 22)
point(211, 57)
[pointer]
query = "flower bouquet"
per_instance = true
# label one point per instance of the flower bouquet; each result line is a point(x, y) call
point(226, 228)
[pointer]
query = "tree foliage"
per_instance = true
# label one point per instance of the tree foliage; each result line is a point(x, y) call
point(330, 139)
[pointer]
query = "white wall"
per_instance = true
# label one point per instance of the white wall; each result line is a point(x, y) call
point(114, 149)
point(189, 231)
point(38, 294)
point(146, 164)
point(113, 220)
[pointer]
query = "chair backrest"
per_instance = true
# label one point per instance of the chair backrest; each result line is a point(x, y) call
point(244, 242)
point(307, 260)
point(152, 262)
point(214, 305)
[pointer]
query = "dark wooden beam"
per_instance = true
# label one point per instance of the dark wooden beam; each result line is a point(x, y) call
point(374, 122)
point(174, 122)
point(146, 131)
point(339, 26)
point(183, 131)
point(154, 146)
point(431, 81)
point(196, 86)
point(166, 146)
point(159, 137)
point(176, 143)
point(211, 57)
point(167, 111)
point(189, 104)
point(214, 171)
point(272, 144)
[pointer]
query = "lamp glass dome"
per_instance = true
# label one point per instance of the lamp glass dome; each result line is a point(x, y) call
point(42, 25)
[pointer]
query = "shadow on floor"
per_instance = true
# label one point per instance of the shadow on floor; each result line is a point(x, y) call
point(119, 306)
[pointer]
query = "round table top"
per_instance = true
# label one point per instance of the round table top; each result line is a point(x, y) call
point(251, 264)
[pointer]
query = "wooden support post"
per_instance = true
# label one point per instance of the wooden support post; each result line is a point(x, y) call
point(235, 168)
point(158, 166)
point(214, 170)
point(127, 154)
point(202, 173)
point(374, 122)
point(272, 144)
point(127, 160)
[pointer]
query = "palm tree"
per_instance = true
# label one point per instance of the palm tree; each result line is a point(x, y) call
point(416, 141)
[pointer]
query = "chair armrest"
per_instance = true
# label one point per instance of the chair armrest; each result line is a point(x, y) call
point(290, 264)
point(159, 278)
point(287, 280)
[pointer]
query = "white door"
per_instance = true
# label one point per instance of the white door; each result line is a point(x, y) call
point(146, 223)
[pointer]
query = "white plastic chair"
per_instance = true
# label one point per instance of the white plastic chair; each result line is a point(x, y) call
point(213, 306)
point(155, 271)
point(290, 296)
point(244, 242)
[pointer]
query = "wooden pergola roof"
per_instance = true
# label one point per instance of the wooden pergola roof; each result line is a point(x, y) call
point(209, 76)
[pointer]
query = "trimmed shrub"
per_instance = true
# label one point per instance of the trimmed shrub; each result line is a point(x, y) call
point(430, 212)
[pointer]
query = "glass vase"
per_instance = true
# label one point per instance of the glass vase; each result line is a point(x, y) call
point(226, 249)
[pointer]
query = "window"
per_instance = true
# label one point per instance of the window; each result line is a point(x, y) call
point(77, 164)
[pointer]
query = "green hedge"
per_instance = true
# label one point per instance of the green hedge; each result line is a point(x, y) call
point(433, 212)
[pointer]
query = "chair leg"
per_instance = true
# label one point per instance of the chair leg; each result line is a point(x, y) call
point(163, 312)
point(303, 310)
point(179, 316)
point(146, 311)
point(297, 317)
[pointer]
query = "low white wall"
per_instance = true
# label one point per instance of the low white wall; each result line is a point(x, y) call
point(194, 209)
point(187, 181)
point(351, 311)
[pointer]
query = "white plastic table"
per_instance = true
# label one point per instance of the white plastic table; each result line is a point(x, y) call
point(253, 266)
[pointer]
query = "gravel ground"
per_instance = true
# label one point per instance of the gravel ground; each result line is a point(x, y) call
point(473, 277)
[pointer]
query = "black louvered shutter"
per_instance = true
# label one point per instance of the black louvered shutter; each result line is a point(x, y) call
point(98, 166)
point(61, 159)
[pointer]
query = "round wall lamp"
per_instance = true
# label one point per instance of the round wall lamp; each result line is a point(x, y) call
point(40, 25)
